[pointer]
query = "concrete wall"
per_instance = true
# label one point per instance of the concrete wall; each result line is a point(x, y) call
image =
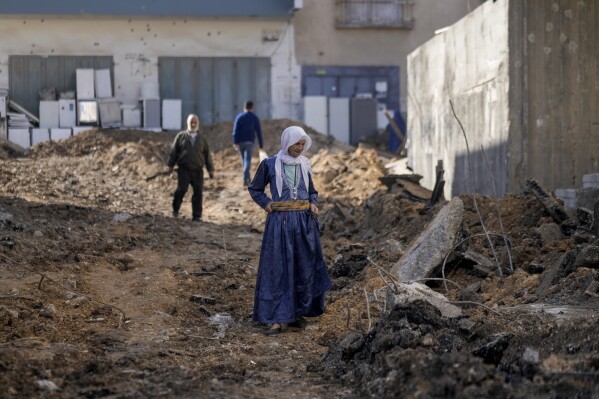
point(555, 107)
point(523, 79)
point(467, 64)
point(136, 44)
point(318, 42)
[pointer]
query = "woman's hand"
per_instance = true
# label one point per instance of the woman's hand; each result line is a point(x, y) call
point(314, 210)
point(268, 208)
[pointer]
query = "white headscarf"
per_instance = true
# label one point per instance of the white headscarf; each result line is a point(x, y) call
point(189, 118)
point(291, 136)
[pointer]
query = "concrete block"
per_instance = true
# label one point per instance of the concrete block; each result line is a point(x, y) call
point(430, 248)
point(79, 129)
point(60, 134)
point(590, 180)
point(39, 135)
point(20, 137)
point(566, 193)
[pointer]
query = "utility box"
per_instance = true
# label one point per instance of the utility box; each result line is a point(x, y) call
point(85, 84)
point(363, 119)
point(171, 114)
point(110, 113)
point(339, 119)
point(67, 113)
point(87, 112)
point(151, 113)
point(103, 83)
point(316, 113)
point(49, 114)
point(2, 106)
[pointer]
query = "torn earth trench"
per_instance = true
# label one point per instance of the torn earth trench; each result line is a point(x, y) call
point(104, 295)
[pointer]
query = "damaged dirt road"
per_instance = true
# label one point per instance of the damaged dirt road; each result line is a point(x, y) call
point(103, 294)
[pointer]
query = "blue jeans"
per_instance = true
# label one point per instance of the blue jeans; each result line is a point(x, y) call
point(246, 149)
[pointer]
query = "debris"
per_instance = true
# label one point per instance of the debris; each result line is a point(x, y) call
point(439, 185)
point(593, 289)
point(416, 291)
point(555, 209)
point(202, 299)
point(428, 251)
point(492, 348)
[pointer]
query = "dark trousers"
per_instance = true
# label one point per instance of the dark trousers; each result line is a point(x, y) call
point(185, 177)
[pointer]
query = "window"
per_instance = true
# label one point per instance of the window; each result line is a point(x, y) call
point(374, 14)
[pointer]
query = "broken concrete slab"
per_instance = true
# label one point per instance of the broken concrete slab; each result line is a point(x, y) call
point(428, 251)
point(415, 190)
point(410, 292)
point(550, 276)
point(555, 209)
point(483, 266)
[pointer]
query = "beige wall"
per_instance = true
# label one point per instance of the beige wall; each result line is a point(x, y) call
point(318, 42)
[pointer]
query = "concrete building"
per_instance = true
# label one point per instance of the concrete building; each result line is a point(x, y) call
point(522, 77)
point(346, 47)
point(213, 55)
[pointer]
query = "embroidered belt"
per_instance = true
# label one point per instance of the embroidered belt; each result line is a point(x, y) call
point(286, 206)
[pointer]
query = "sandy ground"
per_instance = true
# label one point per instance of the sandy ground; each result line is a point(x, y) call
point(103, 294)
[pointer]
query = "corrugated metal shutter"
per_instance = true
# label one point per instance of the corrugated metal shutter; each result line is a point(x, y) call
point(349, 82)
point(216, 88)
point(28, 74)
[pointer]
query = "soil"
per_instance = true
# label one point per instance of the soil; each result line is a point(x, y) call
point(105, 295)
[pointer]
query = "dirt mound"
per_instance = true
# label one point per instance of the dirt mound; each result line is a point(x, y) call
point(545, 286)
point(9, 150)
point(103, 294)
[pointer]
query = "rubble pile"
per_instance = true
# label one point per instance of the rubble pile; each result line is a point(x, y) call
point(104, 294)
point(525, 310)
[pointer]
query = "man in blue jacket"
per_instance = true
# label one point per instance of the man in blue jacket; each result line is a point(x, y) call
point(245, 129)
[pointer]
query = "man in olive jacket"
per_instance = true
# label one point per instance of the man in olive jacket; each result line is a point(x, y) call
point(191, 153)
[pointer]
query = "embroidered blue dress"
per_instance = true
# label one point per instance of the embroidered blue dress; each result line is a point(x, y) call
point(292, 276)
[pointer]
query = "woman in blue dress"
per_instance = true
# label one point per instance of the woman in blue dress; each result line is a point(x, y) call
point(292, 276)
